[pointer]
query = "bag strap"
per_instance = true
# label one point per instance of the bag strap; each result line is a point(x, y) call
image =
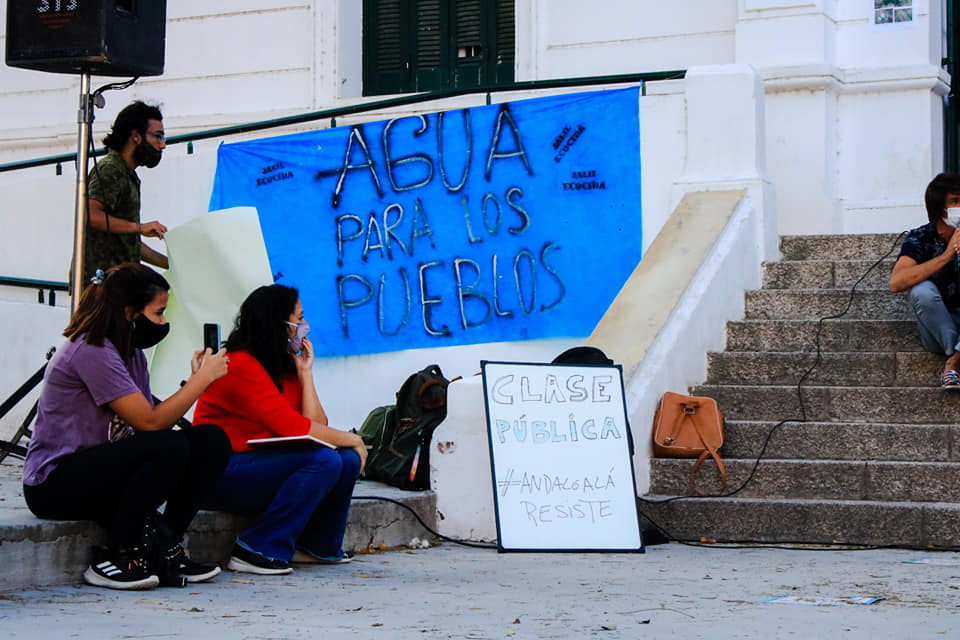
point(712, 452)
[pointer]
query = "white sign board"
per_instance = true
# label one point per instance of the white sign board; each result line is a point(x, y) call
point(562, 474)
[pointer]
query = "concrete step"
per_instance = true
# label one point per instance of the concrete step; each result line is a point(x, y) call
point(802, 304)
point(815, 479)
point(827, 274)
point(835, 335)
point(835, 404)
point(37, 552)
point(867, 246)
point(842, 441)
point(909, 369)
point(918, 524)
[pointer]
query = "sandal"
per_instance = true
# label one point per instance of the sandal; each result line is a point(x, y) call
point(950, 380)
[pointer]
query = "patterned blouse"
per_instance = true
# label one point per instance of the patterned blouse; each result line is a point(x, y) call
point(923, 244)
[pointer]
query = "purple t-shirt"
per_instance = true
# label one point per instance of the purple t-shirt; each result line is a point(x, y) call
point(73, 413)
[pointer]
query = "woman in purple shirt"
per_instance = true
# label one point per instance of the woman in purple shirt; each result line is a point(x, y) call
point(102, 450)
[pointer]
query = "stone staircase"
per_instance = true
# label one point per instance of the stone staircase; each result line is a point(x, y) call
point(877, 458)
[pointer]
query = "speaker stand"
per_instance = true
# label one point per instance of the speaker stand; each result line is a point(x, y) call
point(85, 117)
point(85, 122)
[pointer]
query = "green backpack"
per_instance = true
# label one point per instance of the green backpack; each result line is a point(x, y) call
point(398, 436)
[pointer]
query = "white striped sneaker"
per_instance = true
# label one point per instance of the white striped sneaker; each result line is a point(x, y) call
point(123, 569)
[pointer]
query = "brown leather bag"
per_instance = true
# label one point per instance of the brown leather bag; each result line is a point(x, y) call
point(689, 427)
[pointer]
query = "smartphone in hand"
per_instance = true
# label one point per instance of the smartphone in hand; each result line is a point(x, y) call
point(211, 336)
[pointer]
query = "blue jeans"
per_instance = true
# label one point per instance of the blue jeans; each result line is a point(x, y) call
point(937, 323)
point(302, 496)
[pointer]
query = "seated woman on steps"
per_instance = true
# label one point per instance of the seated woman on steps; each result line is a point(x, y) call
point(102, 450)
point(929, 266)
point(301, 492)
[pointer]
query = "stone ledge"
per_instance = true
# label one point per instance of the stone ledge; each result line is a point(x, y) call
point(36, 552)
point(860, 522)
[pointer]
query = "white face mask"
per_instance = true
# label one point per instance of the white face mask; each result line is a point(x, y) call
point(953, 216)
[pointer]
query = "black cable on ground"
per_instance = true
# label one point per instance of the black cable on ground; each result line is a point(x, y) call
point(766, 442)
point(466, 543)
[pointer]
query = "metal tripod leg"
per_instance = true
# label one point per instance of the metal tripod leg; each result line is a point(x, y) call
point(11, 447)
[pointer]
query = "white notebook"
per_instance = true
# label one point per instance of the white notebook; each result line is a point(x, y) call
point(264, 442)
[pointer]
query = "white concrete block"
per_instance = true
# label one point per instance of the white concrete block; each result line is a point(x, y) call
point(460, 472)
point(725, 124)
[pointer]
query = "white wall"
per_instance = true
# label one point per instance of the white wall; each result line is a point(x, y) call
point(836, 85)
point(843, 93)
point(885, 193)
point(225, 63)
point(567, 38)
point(24, 348)
point(854, 111)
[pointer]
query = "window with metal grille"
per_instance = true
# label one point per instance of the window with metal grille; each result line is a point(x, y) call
point(424, 45)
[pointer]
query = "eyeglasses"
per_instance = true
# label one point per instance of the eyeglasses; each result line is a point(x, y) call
point(158, 136)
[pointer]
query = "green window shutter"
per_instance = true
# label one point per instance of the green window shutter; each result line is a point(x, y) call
point(385, 62)
point(423, 45)
point(431, 61)
point(502, 63)
point(468, 44)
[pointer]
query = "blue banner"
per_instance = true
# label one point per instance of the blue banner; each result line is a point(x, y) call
point(505, 222)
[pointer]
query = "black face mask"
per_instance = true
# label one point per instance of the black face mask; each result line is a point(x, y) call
point(147, 333)
point(146, 154)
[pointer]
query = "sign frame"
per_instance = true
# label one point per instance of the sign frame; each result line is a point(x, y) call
point(632, 541)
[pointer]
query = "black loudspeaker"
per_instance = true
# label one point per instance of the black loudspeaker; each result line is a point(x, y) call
point(100, 37)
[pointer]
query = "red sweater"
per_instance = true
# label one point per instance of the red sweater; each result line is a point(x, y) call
point(246, 404)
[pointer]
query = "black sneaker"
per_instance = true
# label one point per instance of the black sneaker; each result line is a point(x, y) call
point(192, 571)
point(249, 562)
point(125, 569)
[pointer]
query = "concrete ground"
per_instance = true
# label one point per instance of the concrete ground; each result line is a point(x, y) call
point(450, 591)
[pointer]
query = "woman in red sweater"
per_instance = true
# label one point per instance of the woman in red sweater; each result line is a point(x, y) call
point(301, 492)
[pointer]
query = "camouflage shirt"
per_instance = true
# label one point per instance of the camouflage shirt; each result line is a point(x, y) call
point(117, 187)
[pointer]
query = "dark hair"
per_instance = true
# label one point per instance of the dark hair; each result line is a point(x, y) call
point(101, 312)
point(935, 197)
point(582, 355)
point(132, 117)
point(261, 329)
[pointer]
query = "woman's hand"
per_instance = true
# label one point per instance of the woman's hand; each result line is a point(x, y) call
point(212, 366)
point(195, 361)
point(304, 359)
point(361, 450)
point(134, 408)
point(357, 444)
point(953, 246)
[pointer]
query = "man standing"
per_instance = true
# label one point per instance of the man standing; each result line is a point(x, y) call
point(113, 188)
point(929, 266)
